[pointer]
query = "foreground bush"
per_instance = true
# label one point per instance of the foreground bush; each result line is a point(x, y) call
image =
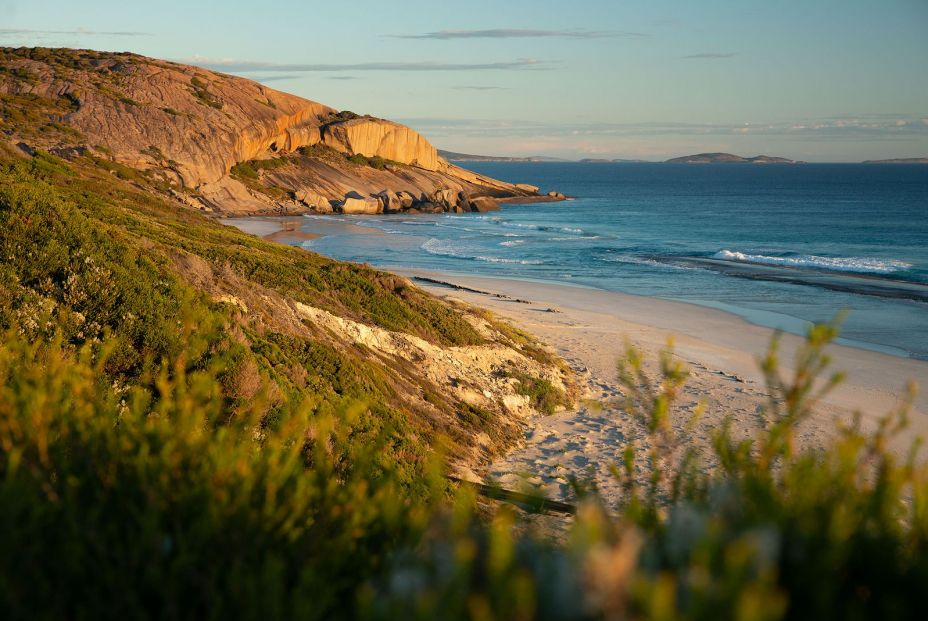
point(125, 501)
point(133, 503)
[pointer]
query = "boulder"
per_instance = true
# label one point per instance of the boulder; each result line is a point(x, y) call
point(406, 199)
point(314, 200)
point(363, 205)
point(532, 189)
point(389, 201)
point(483, 204)
point(446, 198)
point(556, 195)
point(430, 208)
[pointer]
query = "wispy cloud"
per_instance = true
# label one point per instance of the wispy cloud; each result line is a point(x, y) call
point(522, 33)
point(10, 32)
point(245, 66)
point(479, 88)
point(274, 78)
point(710, 56)
point(860, 128)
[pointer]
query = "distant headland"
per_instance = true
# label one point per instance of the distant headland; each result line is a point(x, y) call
point(900, 160)
point(698, 158)
point(729, 158)
point(451, 156)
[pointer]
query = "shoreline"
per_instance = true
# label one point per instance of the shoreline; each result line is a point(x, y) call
point(284, 211)
point(589, 327)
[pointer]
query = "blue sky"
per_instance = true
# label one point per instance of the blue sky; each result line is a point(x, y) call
point(819, 80)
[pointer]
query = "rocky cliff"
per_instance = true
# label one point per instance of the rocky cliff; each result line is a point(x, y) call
point(193, 129)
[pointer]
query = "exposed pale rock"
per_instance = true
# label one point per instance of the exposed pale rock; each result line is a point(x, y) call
point(389, 201)
point(314, 200)
point(445, 198)
point(532, 189)
point(483, 204)
point(226, 190)
point(362, 205)
point(406, 199)
point(202, 123)
point(377, 137)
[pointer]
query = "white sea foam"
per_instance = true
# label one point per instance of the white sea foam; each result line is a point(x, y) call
point(634, 260)
point(447, 248)
point(837, 264)
point(514, 242)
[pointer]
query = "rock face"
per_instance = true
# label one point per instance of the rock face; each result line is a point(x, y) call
point(376, 137)
point(191, 126)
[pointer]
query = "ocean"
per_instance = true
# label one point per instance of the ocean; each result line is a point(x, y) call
point(781, 246)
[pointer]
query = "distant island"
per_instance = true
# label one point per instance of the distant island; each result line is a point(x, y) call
point(900, 160)
point(451, 156)
point(729, 158)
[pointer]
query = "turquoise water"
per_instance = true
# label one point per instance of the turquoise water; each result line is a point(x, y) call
point(779, 245)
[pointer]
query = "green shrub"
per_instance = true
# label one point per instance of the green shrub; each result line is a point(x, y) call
point(201, 93)
point(375, 162)
point(542, 394)
point(154, 503)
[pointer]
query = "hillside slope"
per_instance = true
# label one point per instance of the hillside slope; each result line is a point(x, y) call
point(90, 258)
point(190, 127)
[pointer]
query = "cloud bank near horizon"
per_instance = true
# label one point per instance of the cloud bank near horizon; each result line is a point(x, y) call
point(246, 66)
point(522, 33)
point(709, 56)
point(870, 127)
point(6, 32)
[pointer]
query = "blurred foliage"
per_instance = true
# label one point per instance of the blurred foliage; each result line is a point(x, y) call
point(770, 532)
point(151, 500)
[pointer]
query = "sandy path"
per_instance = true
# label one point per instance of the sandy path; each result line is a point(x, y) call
point(589, 330)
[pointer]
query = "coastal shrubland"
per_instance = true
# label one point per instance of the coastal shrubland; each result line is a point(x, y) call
point(166, 496)
point(176, 440)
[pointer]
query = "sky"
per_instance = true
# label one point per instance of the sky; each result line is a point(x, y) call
point(822, 80)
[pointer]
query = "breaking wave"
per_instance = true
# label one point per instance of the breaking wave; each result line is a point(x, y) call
point(444, 247)
point(864, 265)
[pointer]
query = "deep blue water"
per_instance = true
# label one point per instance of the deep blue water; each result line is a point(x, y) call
point(785, 237)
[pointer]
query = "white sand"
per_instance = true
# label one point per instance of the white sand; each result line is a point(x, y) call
point(589, 331)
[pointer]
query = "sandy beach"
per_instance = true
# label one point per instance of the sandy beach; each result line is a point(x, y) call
point(589, 329)
point(280, 229)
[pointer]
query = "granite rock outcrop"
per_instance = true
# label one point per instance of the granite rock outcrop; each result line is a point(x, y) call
point(228, 144)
